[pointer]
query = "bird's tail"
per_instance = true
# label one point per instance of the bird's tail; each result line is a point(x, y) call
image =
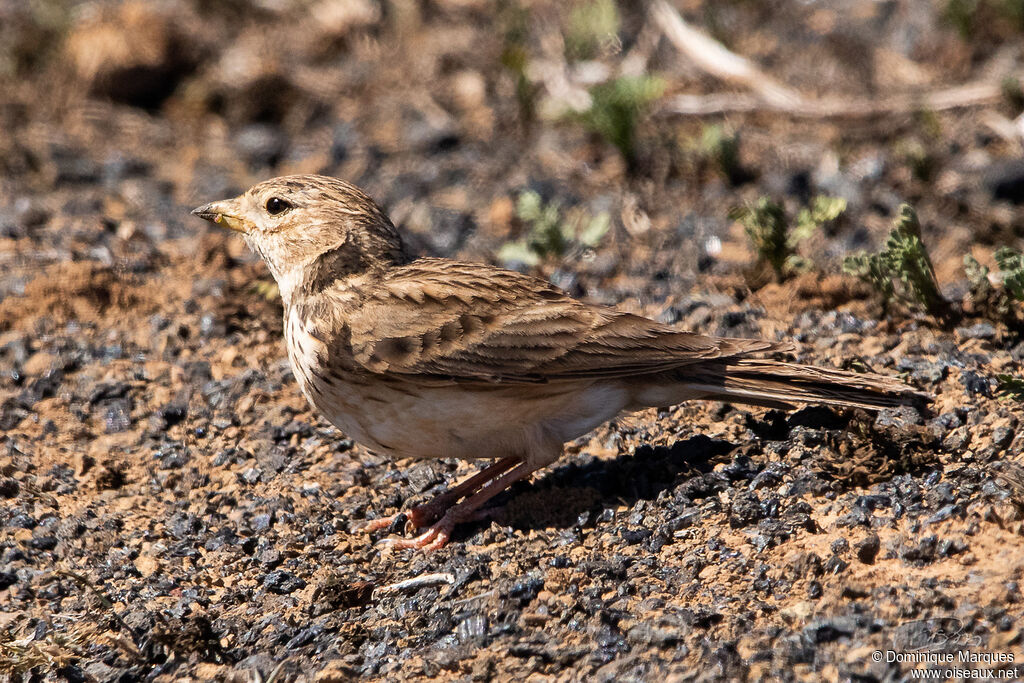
point(778, 384)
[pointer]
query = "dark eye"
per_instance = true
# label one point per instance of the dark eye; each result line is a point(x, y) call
point(276, 205)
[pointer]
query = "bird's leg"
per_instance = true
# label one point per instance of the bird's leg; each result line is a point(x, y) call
point(434, 509)
point(437, 535)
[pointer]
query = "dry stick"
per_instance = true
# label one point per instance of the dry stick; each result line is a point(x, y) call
point(771, 95)
point(414, 583)
point(714, 58)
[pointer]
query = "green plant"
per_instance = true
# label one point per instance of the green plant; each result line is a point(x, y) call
point(1013, 92)
point(514, 21)
point(1008, 386)
point(552, 233)
point(722, 148)
point(616, 107)
point(267, 289)
point(977, 19)
point(775, 240)
point(903, 272)
point(922, 163)
point(992, 301)
point(592, 26)
point(1011, 271)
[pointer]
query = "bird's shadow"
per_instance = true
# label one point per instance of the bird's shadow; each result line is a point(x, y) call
point(573, 494)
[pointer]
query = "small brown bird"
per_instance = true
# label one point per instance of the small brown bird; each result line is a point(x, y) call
point(434, 358)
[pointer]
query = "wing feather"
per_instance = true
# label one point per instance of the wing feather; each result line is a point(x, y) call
point(438, 319)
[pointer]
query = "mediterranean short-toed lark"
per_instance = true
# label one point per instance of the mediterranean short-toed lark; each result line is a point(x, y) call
point(433, 358)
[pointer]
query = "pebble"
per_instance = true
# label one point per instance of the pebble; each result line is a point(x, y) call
point(282, 582)
point(867, 549)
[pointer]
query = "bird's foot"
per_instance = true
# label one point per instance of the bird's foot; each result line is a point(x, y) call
point(433, 538)
point(416, 517)
point(423, 515)
point(439, 533)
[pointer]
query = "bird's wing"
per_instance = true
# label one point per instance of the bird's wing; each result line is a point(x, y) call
point(440, 319)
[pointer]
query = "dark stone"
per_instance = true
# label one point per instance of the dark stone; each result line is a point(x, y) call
point(899, 417)
point(856, 517)
point(43, 542)
point(1002, 437)
point(922, 552)
point(260, 144)
point(867, 549)
point(835, 565)
point(745, 509)
point(7, 579)
point(957, 440)
point(269, 557)
point(634, 536)
point(820, 632)
point(975, 383)
point(951, 546)
point(1004, 180)
point(262, 522)
point(944, 513)
point(117, 416)
point(647, 634)
point(22, 521)
point(527, 587)
point(982, 330)
point(922, 370)
point(108, 390)
point(304, 637)
point(282, 582)
point(9, 487)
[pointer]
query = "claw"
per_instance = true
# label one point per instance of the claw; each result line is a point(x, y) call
point(433, 538)
point(477, 490)
point(377, 524)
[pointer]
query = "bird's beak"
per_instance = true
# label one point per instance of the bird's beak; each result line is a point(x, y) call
point(224, 213)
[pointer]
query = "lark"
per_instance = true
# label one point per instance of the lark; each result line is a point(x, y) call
point(437, 358)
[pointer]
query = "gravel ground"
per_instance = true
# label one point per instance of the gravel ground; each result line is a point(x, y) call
point(171, 509)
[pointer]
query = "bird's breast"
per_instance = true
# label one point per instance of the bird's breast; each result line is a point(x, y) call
point(406, 418)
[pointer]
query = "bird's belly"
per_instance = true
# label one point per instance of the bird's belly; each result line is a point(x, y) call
point(409, 420)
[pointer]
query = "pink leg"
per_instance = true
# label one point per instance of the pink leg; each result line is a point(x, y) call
point(422, 515)
point(438, 534)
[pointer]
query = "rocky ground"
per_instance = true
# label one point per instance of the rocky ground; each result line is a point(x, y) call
point(171, 509)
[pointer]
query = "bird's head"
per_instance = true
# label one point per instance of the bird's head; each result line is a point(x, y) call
point(303, 224)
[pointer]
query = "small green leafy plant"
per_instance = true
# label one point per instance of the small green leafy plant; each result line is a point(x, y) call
point(773, 236)
point(592, 26)
point(1011, 271)
point(996, 299)
point(514, 23)
point(977, 20)
point(266, 289)
point(721, 147)
point(1010, 387)
point(903, 272)
point(616, 108)
point(552, 233)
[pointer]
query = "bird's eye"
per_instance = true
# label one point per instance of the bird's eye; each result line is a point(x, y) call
point(276, 205)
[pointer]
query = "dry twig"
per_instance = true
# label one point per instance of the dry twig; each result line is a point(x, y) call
point(769, 94)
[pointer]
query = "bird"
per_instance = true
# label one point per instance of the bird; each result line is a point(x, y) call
point(438, 358)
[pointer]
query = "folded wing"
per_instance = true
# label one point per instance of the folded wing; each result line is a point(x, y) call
point(477, 323)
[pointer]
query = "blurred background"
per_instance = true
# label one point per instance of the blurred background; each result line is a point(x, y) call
point(602, 143)
point(736, 167)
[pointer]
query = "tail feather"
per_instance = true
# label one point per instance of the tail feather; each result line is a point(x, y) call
point(779, 384)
